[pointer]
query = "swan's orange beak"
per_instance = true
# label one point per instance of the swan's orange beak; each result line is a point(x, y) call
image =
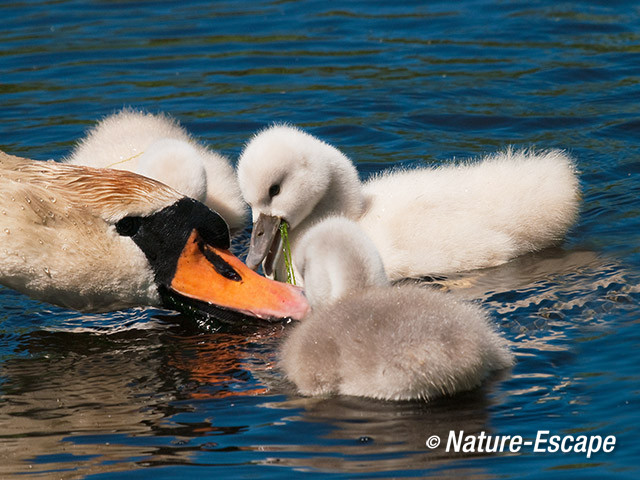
point(217, 279)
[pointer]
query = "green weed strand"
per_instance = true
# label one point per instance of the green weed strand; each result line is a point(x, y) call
point(286, 250)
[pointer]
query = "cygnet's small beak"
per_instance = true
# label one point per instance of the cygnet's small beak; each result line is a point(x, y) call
point(265, 243)
point(217, 278)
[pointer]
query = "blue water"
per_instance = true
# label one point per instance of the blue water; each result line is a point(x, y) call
point(145, 392)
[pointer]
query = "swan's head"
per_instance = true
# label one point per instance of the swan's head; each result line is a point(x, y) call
point(334, 257)
point(113, 239)
point(284, 173)
point(187, 247)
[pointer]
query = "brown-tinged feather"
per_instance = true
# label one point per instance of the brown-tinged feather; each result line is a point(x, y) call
point(109, 194)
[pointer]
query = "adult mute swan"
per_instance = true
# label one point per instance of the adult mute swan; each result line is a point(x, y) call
point(158, 147)
point(450, 218)
point(101, 239)
point(367, 338)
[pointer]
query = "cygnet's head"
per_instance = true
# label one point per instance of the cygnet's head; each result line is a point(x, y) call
point(197, 173)
point(158, 147)
point(284, 172)
point(176, 163)
point(335, 257)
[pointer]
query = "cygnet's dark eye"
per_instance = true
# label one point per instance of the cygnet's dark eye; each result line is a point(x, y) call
point(274, 190)
point(128, 226)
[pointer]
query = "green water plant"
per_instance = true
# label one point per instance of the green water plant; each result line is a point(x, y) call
point(286, 250)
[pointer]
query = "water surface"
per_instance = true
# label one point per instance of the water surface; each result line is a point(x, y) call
point(147, 392)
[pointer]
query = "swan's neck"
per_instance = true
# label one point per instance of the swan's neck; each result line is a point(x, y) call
point(343, 196)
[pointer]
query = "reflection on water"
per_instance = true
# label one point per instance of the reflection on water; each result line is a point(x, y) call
point(550, 284)
point(95, 394)
point(160, 398)
point(402, 84)
point(96, 387)
point(369, 436)
point(171, 395)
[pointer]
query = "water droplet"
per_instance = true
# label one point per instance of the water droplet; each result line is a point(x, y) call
point(53, 199)
point(40, 241)
point(7, 231)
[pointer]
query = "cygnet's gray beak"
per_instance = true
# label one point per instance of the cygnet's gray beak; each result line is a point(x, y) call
point(265, 243)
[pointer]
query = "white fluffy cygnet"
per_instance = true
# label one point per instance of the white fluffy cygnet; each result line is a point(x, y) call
point(158, 147)
point(455, 217)
point(365, 337)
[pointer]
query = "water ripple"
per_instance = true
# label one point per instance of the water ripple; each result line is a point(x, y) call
point(392, 84)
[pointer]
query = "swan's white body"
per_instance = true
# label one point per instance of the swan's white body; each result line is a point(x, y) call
point(158, 147)
point(102, 239)
point(367, 338)
point(59, 242)
point(445, 219)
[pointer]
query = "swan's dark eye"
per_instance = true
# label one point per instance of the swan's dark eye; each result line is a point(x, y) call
point(128, 226)
point(274, 190)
